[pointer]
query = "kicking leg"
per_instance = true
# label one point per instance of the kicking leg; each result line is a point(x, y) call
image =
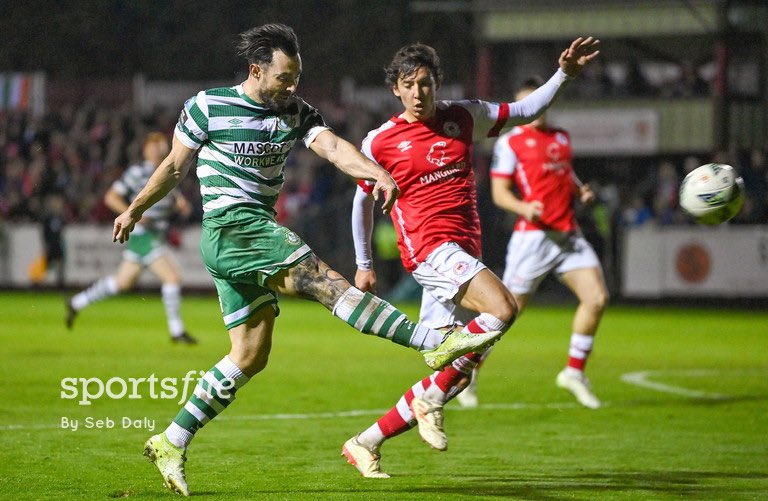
point(312, 278)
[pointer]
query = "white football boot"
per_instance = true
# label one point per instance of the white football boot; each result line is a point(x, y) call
point(364, 459)
point(578, 384)
point(429, 417)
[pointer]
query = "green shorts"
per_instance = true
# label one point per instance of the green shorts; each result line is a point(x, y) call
point(241, 249)
point(145, 247)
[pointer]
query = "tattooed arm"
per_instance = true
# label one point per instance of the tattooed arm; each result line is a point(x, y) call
point(311, 279)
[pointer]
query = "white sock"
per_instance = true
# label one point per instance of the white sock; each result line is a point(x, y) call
point(172, 303)
point(578, 352)
point(425, 338)
point(100, 289)
point(178, 436)
point(488, 322)
point(372, 438)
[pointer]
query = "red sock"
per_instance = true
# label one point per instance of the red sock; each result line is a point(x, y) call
point(579, 350)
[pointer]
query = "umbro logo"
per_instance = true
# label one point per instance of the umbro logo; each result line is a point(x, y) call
point(235, 122)
point(404, 146)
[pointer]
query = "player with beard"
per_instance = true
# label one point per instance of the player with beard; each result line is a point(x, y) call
point(241, 137)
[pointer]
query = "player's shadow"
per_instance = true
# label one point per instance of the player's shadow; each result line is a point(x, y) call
point(557, 487)
point(538, 487)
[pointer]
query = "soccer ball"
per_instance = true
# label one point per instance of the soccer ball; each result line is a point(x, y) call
point(712, 194)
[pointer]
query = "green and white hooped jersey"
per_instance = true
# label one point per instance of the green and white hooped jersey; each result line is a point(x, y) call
point(243, 146)
point(130, 184)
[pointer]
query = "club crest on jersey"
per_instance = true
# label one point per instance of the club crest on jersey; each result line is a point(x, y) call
point(553, 152)
point(561, 138)
point(530, 142)
point(436, 154)
point(460, 268)
point(286, 123)
point(292, 238)
point(451, 129)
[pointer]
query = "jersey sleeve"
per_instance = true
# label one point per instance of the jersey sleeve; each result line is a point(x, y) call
point(536, 103)
point(491, 118)
point(504, 158)
point(192, 127)
point(311, 124)
point(362, 227)
point(488, 118)
point(366, 185)
point(367, 151)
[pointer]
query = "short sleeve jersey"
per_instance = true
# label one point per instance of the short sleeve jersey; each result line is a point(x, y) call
point(432, 164)
point(130, 184)
point(243, 146)
point(540, 162)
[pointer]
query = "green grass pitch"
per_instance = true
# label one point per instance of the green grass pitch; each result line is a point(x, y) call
point(692, 422)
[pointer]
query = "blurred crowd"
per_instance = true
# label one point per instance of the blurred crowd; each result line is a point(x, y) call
point(608, 78)
point(71, 155)
point(64, 162)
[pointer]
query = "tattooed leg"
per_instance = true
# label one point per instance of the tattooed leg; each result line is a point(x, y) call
point(314, 279)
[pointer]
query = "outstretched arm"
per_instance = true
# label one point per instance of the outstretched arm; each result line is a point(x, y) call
point(170, 172)
point(362, 228)
point(349, 160)
point(571, 61)
point(579, 54)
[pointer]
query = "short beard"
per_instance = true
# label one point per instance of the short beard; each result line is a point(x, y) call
point(270, 102)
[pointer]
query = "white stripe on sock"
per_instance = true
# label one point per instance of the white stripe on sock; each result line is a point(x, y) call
point(197, 413)
point(227, 367)
point(208, 399)
point(404, 410)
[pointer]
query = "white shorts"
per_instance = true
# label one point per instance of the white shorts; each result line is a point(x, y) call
point(531, 255)
point(442, 274)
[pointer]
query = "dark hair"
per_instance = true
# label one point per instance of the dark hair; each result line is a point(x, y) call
point(530, 83)
point(257, 44)
point(409, 59)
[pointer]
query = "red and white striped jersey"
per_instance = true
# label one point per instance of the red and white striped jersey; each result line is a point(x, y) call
point(432, 164)
point(540, 161)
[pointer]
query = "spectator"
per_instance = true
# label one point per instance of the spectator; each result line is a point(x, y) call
point(666, 194)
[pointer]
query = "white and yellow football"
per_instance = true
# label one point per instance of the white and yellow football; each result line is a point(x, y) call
point(712, 194)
